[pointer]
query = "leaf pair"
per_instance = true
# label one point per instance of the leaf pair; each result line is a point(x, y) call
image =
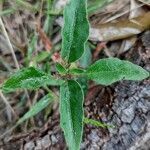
point(105, 72)
point(74, 35)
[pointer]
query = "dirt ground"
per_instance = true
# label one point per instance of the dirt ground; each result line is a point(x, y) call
point(125, 104)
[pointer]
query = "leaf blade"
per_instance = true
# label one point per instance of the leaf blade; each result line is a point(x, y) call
point(71, 113)
point(35, 109)
point(75, 31)
point(86, 58)
point(60, 68)
point(29, 78)
point(109, 70)
point(97, 123)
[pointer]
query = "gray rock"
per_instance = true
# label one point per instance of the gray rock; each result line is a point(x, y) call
point(127, 114)
point(29, 146)
point(46, 141)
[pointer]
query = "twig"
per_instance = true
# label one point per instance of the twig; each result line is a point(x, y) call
point(8, 131)
point(7, 103)
point(6, 65)
point(9, 44)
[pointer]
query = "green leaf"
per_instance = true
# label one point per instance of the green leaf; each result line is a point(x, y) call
point(31, 46)
point(71, 113)
point(76, 30)
point(38, 107)
point(41, 56)
point(29, 78)
point(60, 68)
point(97, 123)
point(109, 70)
point(86, 58)
point(84, 62)
point(84, 84)
point(76, 71)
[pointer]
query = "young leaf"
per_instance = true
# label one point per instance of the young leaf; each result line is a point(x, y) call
point(31, 47)
point(75, 31)
point(60, 68)
point(39, 106)
point(71, 113)
point(109, 70)
point(86, 58)
point(84, 84)
point(41, 56)
point(97, 123)
point(84, 62)
point(29, 78)
point(76, 71)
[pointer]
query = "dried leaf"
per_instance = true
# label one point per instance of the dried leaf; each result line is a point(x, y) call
point(120, 30)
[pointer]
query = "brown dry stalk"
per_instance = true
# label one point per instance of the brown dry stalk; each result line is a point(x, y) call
point(9, 43)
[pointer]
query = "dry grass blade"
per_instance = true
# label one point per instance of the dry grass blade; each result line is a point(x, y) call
point(135, 12)
point(9, 43)
point(26, 5)
point(8, 131)
point(121, 14)
point(6, 102)
point(146, 2)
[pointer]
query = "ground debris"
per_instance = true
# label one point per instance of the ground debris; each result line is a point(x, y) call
point(130, 118)
point(125, 104)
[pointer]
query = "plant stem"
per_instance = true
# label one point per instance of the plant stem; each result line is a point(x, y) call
point(52, 93)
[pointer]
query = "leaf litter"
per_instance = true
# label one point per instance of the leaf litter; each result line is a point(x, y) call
point(21, 24)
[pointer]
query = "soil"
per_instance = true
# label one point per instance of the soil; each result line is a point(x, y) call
point(125, 104)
